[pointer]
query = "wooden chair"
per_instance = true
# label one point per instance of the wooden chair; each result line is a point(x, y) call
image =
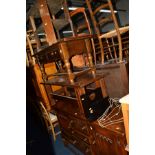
point(81, 25)
point(77, 16)
point(100, 19)
point(60, 16)
point(51, 121)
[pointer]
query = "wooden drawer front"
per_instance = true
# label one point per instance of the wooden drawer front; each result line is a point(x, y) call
point(81, 126)
point(82, 146)
point(64, 121)
point(71, 123)
point(69, 105)
point(83, 137)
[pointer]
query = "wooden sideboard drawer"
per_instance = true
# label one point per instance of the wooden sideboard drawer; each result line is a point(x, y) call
point(80, 125)
point(65, 121)
point(72, 123)
point(67, 104)
point(83, 137)
point(74, 140)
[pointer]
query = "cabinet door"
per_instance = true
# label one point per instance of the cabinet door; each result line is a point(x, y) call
point(105, 144)
point(109, 144)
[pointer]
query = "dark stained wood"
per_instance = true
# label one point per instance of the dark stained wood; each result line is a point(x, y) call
point(80, 81)
point(111, 139)
point(75, 128)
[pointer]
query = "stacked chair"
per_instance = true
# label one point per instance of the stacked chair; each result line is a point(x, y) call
point(110, 41)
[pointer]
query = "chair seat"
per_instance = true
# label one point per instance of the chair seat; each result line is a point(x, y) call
point(53, 117)
point(113, 33)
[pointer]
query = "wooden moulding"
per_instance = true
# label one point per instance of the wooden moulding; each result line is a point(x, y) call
point(125, 109)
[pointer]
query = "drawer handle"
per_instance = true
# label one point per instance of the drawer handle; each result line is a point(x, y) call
point(83, 128)
point(93, 142)
point(118, 142)
point(106, 139)
point(110, 141)
point(87, 150)
point(103, 137)
point(85, 139)
point(70, 124)
point(74, 142)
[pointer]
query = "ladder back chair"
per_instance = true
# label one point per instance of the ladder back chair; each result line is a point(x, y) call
point(106, 40)
point(51, 121)
point(60, 16)
point(81, 25)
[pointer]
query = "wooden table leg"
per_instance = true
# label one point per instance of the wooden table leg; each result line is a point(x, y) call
point(65, 53)
point(89, 52)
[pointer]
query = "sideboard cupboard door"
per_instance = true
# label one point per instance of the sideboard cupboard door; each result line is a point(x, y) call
point(109, 144)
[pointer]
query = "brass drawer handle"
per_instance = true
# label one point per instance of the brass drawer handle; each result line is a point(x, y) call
point(74, 142)
point(106, 139)
point(118, 142)
point(85, 139)
point(110, 141)
point(93, 142)
point(83, 128)
point(87, 150)
point(70, 124)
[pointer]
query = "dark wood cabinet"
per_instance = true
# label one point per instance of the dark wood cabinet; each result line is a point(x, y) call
point(76, 128)
point(108, 141)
